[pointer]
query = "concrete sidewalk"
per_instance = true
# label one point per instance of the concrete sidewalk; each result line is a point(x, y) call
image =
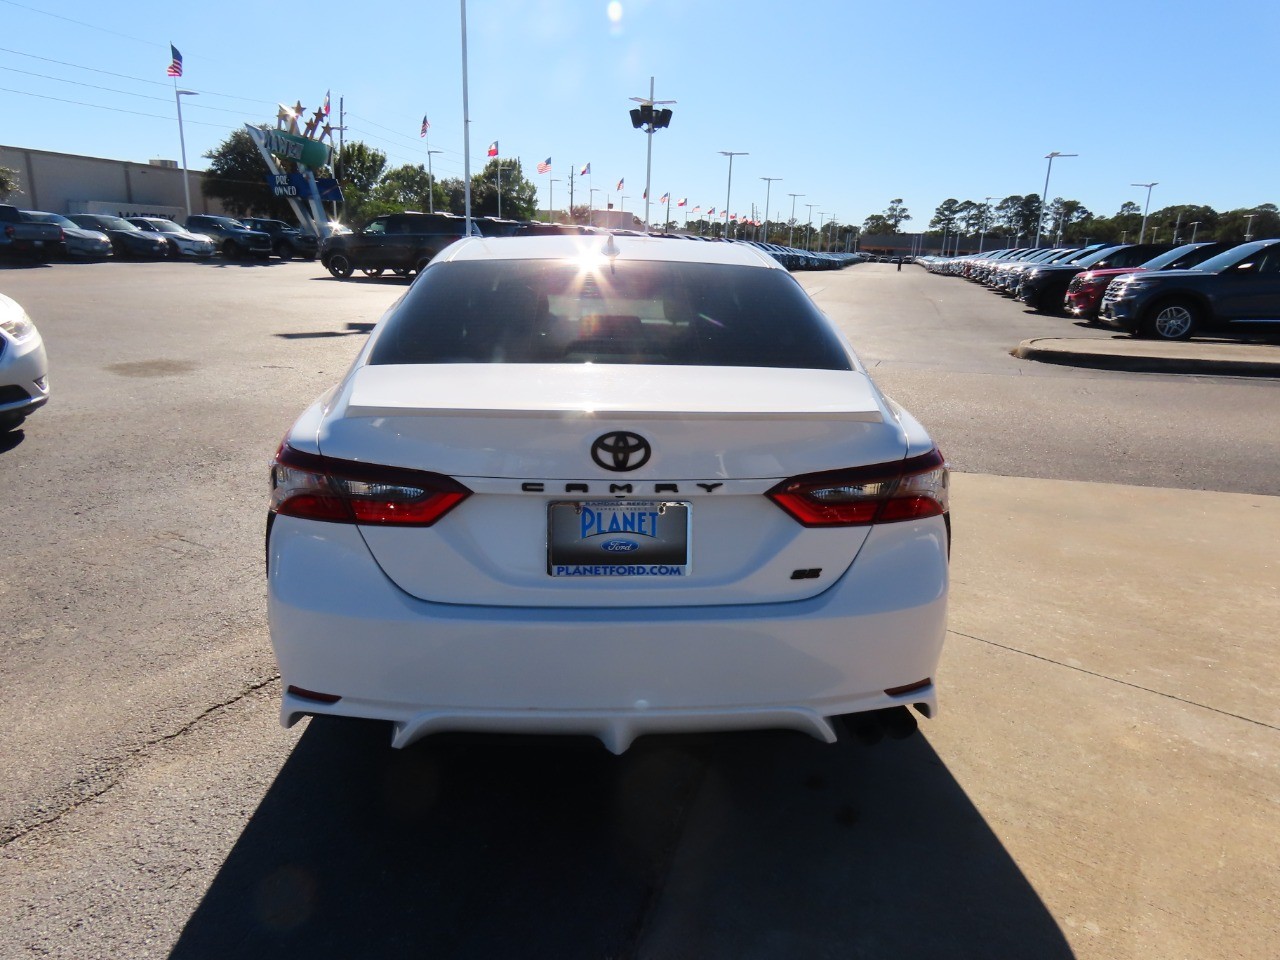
point(1213, 357)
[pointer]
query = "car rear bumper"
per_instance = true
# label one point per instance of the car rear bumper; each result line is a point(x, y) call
point(340, 627)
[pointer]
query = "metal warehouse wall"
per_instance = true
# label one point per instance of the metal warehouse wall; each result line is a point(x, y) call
point(65, 182)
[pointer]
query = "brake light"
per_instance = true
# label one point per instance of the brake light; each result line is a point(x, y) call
point(346, 491)
point(860, 496)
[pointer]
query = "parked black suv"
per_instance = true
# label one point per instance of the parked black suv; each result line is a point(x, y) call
point(403, 242)
point(233, 238)
point(1238, 287)
point(286, 242)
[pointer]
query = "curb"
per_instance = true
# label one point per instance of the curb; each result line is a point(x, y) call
point(1075, 353)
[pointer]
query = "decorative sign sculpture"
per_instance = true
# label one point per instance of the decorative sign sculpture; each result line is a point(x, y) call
point(308, 153)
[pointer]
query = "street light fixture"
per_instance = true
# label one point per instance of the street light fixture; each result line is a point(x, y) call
point(1248, 227)
point(1143, 235)
point(986, 215)
point(182, 140)
point(646, 118)
point(1195, 225)
point(768, 186)
point(822, 215)
point(431, 194)
point(1044, 196)
point(730, 154)
point(791, 234)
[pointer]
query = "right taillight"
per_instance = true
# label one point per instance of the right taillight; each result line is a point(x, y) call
point(860, 496)
point(345, 491)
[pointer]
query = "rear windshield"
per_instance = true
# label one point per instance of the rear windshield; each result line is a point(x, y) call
point(552, 311)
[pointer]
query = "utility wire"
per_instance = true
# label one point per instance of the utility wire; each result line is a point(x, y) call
point(127, 93)
point(91, 26)
point(98, 106)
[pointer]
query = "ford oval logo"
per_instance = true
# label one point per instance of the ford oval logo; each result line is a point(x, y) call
point(619, 546)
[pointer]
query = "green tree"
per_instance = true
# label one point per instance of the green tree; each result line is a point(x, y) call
point(878, 224)
point(519, 195)
point(945, 216)
point(896, 214)
point(237, 178)
point(1017, 214)
point(9, 184)
point(359, 168)
point(407, 187)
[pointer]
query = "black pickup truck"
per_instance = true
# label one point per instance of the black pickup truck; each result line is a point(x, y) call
point(399, 242)
point(1238, 288)
point(22, 238)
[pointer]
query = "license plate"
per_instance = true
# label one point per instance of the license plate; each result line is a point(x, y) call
point(618, 538)
point(39, 243)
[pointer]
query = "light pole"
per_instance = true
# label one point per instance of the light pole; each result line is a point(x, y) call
point(767, 187)
point(551, 192)
point(986, 215)
point(648, 118)
point(1143, 235)
point(1248, 227)
point(592, 201)
point(730, 154)
point(1195, 225)
point(431, 177)
point(791, 234)
point(1044, 196)
point(808, 227)
point(182, 140)
point(822, 215)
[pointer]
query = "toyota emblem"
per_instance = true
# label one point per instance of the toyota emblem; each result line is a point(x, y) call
point(621, 450)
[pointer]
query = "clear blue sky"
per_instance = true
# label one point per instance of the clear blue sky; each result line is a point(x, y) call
point(850, 103)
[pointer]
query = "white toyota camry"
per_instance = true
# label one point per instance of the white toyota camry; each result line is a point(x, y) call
point(609, 486)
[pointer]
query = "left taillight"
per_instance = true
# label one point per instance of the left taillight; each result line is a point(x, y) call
point(907, 489)
point(346, 491)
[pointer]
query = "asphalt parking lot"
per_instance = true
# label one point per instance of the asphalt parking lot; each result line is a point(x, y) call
point(1101, 782)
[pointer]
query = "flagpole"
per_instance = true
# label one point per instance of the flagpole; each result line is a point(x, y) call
point(466, 123)
point(571, 193)
point(667, 218)
point(182, 140)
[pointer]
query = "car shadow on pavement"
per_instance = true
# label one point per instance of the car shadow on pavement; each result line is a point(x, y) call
point(351, 330)
point(740, 845)
point(10, 439)
point(389, 278)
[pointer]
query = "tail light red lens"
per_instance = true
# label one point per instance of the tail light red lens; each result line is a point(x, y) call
point(345, 491)
point(860, 496)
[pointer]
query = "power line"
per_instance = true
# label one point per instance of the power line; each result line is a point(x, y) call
point(127, 93)
point(125, 76)
point(98, 106)
point(91, 26)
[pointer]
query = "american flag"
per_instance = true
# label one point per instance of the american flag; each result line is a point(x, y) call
point(175, 65)
point(710, 213)
point(682, 201)
point(620, 183)
point(493, 149)
point(426, 125)
point(545, 166)
point(698, 209)
point(586, 169)
point(665, 198)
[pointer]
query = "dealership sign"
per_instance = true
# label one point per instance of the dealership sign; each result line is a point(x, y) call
point(295, 147)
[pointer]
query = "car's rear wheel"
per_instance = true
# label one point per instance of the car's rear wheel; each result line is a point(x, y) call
point(340, 266)
point(286, 251)
point(1173, 319)
point(230, 250)
point(371, 271)
point(421, 265)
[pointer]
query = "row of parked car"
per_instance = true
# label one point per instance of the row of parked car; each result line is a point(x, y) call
point(40, 235)
point(404, 243)
point(1147, 290)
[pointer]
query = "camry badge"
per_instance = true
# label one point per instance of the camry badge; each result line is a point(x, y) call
point(621, 450)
